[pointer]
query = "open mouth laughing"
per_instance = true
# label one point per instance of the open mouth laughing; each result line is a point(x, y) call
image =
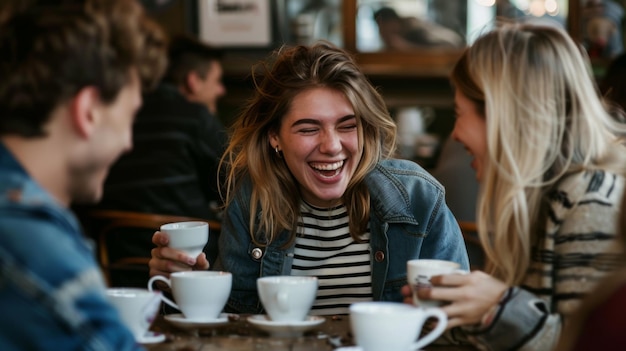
point(327, 169)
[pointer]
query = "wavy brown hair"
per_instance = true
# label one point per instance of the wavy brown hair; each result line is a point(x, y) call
point(275, 192)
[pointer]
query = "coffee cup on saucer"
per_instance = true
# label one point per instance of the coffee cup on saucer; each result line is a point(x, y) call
point(190, 237)
point(419, 272)
point(380, 325)
point(287, 298)
point(137, 309)
point(199, 295)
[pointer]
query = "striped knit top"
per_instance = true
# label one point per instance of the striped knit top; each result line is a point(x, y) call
point(325, 249)
point(577, 248)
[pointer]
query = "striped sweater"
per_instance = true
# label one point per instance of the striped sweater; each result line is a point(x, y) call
point(579, 247)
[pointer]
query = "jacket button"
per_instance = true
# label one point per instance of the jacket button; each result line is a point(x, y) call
point(379, 256)
point(256, 253)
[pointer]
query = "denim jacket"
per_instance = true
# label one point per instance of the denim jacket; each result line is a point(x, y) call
point(409, 219)
point(51, 289)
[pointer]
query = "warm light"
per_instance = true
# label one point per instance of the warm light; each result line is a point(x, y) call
point(551, 6)
point(523, 5)
point(486, 3)
point(537, 8)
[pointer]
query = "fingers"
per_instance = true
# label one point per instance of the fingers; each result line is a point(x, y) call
point(160, 239)
point(407, 294)
point(201, 262)
point(406, 291)
point(166, 260)
point(454, 279)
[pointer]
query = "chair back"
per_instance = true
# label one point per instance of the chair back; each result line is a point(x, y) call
point(124, 241)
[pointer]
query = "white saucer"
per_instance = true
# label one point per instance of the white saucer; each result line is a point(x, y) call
point(285, 329)
point(151, 338)
point(180, 321)
point(354, 348)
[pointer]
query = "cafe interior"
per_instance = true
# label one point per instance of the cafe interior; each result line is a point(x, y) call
point(412, 76)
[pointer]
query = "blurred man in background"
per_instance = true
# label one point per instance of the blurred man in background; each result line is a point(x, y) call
point(178, 143)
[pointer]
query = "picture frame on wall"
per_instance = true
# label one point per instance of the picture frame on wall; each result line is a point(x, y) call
point(235, 23)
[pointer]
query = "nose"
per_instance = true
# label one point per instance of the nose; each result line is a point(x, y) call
point(330, 143)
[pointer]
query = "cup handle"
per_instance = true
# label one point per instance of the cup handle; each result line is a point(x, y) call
point(163, 297)
point(442, 322)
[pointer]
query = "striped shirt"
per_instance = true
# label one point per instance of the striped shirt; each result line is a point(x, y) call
point(576, 248)
point(325, 249)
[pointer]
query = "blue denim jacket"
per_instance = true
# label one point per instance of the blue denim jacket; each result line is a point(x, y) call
point(409, 219)
point(51, 289)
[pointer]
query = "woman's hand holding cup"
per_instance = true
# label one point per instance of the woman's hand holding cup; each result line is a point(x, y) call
point(173, 253)
point(466, 298)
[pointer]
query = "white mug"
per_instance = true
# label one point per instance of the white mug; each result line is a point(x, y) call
point(287, 298)
point(199, 295)
point(419, 272)
point(190, 237)
point(393, 326)
point(137, 308)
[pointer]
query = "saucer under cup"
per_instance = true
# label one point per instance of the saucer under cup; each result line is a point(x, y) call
point(190, 237)
point(199, 295)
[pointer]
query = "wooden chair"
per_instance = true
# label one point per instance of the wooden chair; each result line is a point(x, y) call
point(104, 225)
point(473, 245)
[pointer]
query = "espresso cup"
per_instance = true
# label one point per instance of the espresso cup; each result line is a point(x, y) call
point(420, 271)
point(394, 326)
point(190, 237)
point(287, 298)
point(199, 295)
point(137, 308)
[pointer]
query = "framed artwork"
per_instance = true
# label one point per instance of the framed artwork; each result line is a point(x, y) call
point(235, 23)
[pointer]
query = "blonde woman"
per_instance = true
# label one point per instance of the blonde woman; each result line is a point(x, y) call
point(550, 168)
point(311, 190)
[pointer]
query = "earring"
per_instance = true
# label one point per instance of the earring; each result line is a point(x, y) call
point(278, 152)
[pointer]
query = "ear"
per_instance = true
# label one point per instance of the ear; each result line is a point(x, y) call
point(274, 143)
point(84, 111)
point(193, 82)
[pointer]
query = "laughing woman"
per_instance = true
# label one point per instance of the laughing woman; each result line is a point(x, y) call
point(551, 171)
point(311, 190)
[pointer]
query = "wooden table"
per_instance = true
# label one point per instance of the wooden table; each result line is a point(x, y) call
point(239, 335)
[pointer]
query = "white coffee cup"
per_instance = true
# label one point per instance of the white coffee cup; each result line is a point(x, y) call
point(420, 271)
point(190, 237)
point(137, 308)
point(394, 326)
point(287, 298)
point(199, 295)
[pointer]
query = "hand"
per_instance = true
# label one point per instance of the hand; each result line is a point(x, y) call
point(166, 260)
point(471, 296)
point(407, 294)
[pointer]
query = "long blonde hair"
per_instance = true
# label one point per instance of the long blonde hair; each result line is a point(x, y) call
point(544, 119)
point(275, 192)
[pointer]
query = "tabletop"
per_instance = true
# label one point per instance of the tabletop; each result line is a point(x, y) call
point(238, 333)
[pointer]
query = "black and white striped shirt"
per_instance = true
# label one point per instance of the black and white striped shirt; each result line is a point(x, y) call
point(325, 249)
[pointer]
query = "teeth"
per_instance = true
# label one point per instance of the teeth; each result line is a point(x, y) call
point(327, 166)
